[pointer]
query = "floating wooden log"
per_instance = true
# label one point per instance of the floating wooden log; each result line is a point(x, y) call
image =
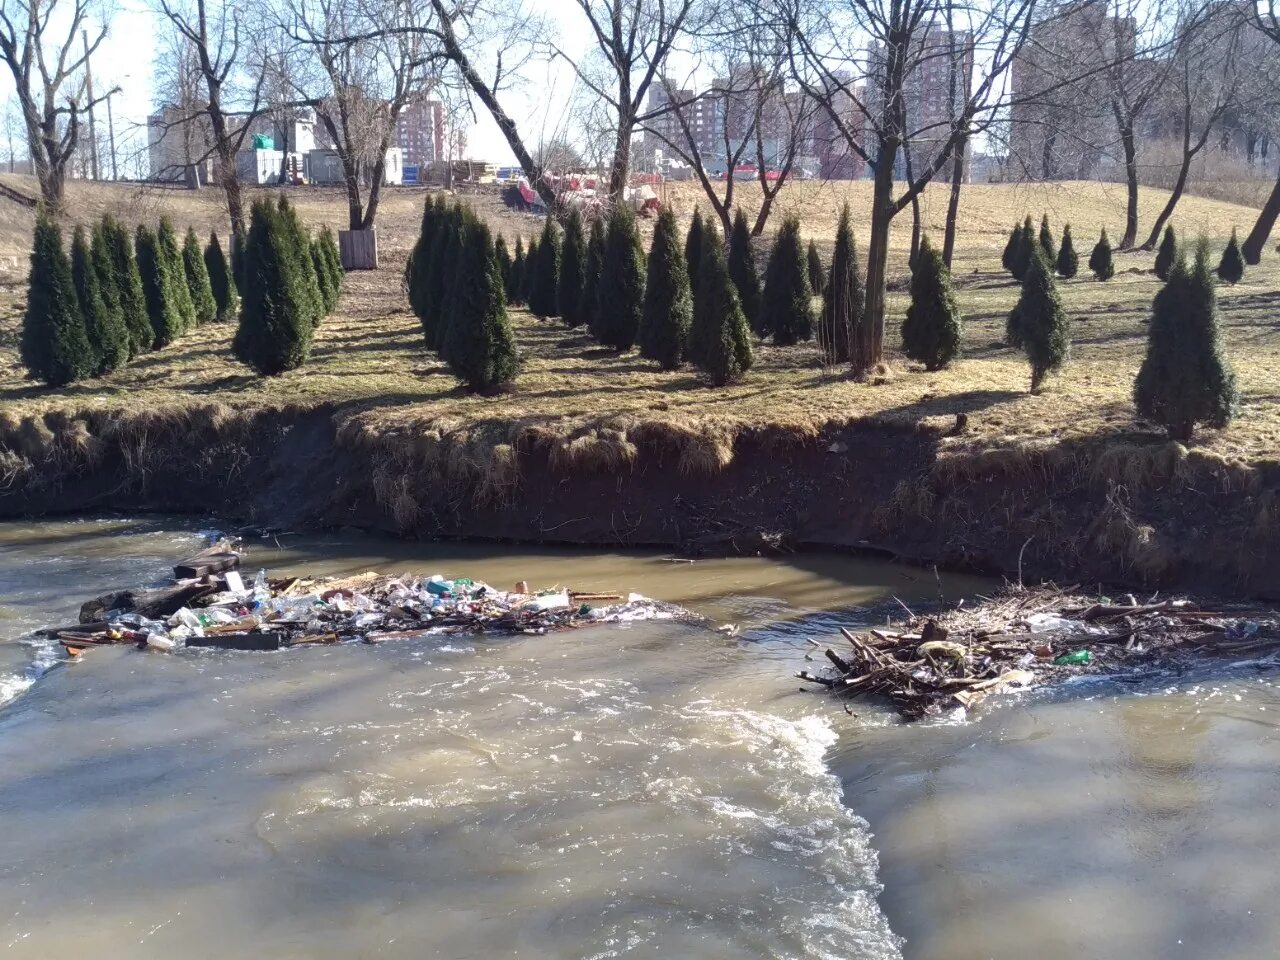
point(216, 559)
point(152, 604)
point(267, 640)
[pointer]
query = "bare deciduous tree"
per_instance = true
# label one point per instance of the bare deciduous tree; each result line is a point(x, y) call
point(634, 39)
point(369, 59)
point(748, 117)
point(218, 50)
point(1265, 16)
point(178, 87)
point(41, 43)
point(866, 100)
point(1139, 44)
point(1205, 84)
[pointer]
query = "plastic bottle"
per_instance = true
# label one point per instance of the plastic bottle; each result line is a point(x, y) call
point(439, 586)
point(1074, 658)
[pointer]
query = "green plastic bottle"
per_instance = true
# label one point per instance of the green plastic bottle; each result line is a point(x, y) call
point(1074, 658)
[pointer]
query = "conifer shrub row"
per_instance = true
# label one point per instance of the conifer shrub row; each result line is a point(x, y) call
point(459, 281)
point(290, 284)
point(1024, 242)
point(124, 301)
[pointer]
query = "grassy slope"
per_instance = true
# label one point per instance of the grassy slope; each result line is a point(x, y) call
point(371, 350)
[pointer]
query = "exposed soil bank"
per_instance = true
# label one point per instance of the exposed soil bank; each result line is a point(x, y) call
point(1157, 515)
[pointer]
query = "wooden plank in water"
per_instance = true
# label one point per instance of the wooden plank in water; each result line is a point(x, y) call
point(238, 641)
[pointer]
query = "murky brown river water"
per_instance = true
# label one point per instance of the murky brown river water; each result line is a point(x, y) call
point(655, 790)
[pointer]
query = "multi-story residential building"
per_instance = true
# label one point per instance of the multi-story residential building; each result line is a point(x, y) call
point(1060, 127)
point(836, 160)
point(938, 74)
point(421, 132)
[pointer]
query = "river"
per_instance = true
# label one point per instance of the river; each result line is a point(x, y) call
point(653, 790)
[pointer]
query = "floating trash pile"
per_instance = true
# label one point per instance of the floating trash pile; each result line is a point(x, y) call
point(926, 666)
point(212, 606)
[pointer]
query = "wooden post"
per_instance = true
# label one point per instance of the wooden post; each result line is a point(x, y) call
point(358, 249)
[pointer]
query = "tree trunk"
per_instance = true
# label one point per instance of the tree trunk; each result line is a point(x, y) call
point(953, 203)
point(454, 51)
point(869, 345)
point(1131, 185)
point(375, 192)
point(1257, 238)
point(621, 166)
point(226, 150)
point(47, 160)
point(1179, 185)
point(355, 209)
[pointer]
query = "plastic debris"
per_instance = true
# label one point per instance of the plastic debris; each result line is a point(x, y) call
point(371, 608)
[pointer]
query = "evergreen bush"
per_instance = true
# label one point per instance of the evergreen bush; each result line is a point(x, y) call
point(225, 296)
point(842, 297)
point(573, 265)
point(668, 301)
point(197, 279)
point(1047, 246)
point(931, 330)
point(158, 282)
point(328, 294)
point(693, 246)
point(742, 268)
point(1231, 266)
point(481, 346)
point(277, 314)
point(589, 308)
point(55, 346)
point(516, 274)
point(108, 339)
point(300, 247)
point(545, 289)
point(1167, 254)
point(1185, 378)
point(1100, 260)
point(177, 271)
point(1009, 258)
point(1068, 264)
point(133, 299)
point(434, 304)
point(445, 273)
point(418, 269)
point(817, 274)
point(111, 344)
point(1041, 321)
point(719, 340)
point(786, 310)
point(620, 296)
point(503, 256)
point(1027, 247)
point(531, 262)
point(334, 258)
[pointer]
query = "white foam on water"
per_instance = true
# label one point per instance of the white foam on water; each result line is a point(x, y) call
point(13, 685)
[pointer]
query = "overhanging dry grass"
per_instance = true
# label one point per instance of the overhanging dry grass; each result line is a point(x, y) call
point(370, 354)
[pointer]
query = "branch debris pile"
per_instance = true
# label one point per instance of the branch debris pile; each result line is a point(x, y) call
point(929, 665)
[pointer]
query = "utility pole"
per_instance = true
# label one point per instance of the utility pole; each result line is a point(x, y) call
point(93, 130)
point(111, 135)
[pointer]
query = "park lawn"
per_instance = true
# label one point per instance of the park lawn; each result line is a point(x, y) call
point(369, 354)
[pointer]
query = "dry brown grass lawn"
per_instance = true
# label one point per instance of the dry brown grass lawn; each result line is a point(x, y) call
point(370, 353)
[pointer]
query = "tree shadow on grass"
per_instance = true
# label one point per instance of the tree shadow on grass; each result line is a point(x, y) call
point(948, 404)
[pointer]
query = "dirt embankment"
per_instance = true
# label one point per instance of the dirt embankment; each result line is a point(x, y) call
point(1154, 515)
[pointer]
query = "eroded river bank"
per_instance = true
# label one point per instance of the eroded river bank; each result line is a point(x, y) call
point(656, 790)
